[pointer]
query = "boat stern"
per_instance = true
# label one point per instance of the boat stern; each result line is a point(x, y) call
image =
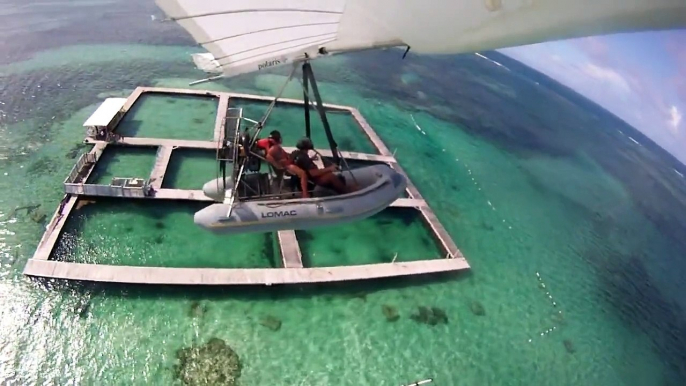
point(216, 189)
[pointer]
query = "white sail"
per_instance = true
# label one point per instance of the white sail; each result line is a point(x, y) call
point(245, 36)
point(250, 35)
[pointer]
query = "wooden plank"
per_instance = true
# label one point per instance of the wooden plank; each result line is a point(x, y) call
point(156, 142)
point(184, 91)
point(198, 195)
point(221, 117)
point(371, 134)
point(181, 194)
point(160, 168)
point(54, 228)
point(440, 233)
point(289, 101)
point(132, 98)
point(290, 249)
point(409, 203)
point(213, 276)
point(212, 145)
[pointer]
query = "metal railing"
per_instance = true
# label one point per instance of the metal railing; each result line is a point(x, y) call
point(80, 163)
point(105, 190)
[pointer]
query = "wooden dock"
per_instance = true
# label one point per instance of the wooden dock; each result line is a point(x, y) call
point(228, 276)
point(160, 169)
point(293, 270)
point(290, 249)
point(440, 233)
point(212, 145)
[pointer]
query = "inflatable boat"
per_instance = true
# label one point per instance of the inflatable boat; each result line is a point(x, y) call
point(379, 186)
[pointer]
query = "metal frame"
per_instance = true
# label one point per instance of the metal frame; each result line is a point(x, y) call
point(240, 155)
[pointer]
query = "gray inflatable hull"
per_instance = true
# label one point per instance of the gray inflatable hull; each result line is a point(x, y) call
point(379, 185)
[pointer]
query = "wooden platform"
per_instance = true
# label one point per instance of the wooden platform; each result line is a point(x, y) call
point(212, 145)
point(291, 255)
point(160, 168)
point(218, 276)
point(290, 250)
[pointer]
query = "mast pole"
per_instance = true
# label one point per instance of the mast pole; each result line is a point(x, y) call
point(306, 100)
point(307, 73)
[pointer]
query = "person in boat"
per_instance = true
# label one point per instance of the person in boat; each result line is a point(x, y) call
point(274, 138)
point(322, 177)
point(280, 159)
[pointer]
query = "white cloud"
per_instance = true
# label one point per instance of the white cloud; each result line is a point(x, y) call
point(607, 75)
point(674, 119)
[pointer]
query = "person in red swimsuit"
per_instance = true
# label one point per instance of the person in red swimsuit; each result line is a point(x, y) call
point(274, 138)
point(281, 160)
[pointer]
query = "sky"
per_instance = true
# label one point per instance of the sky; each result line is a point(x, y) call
point(640, 77)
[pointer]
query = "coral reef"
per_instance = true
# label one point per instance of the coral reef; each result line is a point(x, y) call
point(431, 316)
point(213, 363)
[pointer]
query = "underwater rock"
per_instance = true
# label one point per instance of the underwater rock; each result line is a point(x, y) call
point(390, 312)
point(431, 316)
point(158, 239)
point(197, 310)
point(569, 346)
point(159, 225)
point(477, 308)
point(271, 323)
point(214, 363)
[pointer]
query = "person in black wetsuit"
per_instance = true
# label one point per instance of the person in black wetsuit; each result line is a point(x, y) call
point(322, 177)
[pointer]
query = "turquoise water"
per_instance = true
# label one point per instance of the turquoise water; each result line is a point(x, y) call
point(598, 243)
point(144, 233)
point(157, 115)
point(404, 236)
point(191, 169)
point(126, 162)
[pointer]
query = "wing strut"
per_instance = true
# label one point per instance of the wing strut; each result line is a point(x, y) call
point(308, 77)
